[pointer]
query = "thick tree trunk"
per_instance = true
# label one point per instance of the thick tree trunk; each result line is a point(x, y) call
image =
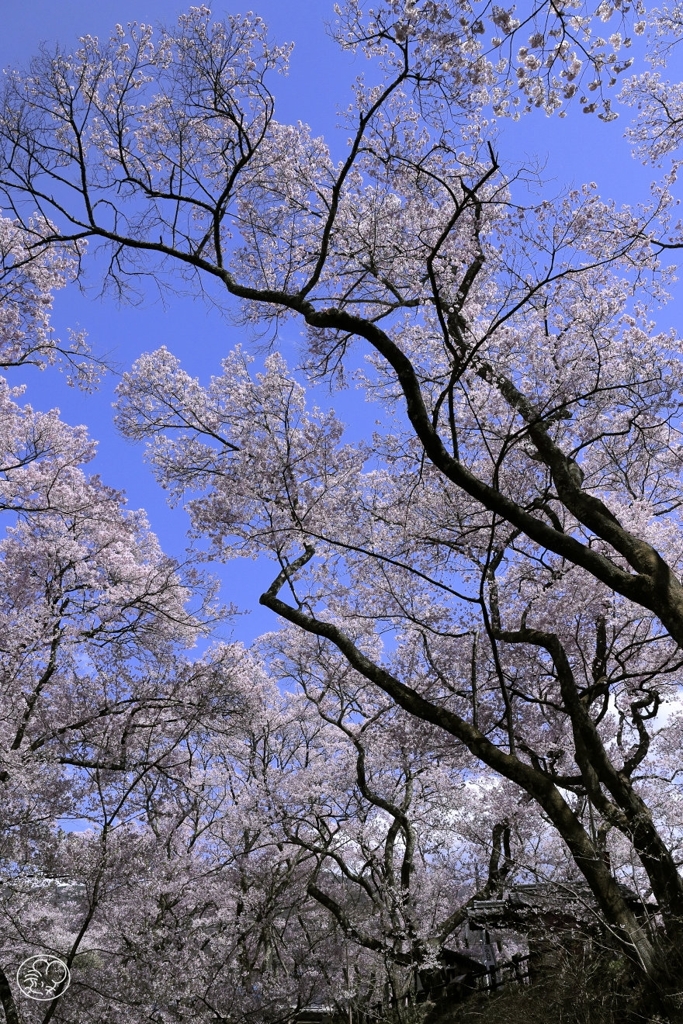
point(7, 1000)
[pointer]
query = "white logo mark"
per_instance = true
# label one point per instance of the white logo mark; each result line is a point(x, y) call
point(43, 977)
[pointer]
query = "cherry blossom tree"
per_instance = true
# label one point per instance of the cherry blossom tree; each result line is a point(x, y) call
point(172, 904)
point(27, 284)
point(215, 805)
point(110, 724)
point(503, 560)
point(378, 816)
point(293, 492)
point(91, 609)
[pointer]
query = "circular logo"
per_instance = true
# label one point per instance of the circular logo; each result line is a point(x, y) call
point(43, 977)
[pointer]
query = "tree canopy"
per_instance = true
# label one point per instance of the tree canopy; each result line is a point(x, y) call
point(478, 606)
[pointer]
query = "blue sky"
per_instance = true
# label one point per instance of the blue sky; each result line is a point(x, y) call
point(578, 148)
